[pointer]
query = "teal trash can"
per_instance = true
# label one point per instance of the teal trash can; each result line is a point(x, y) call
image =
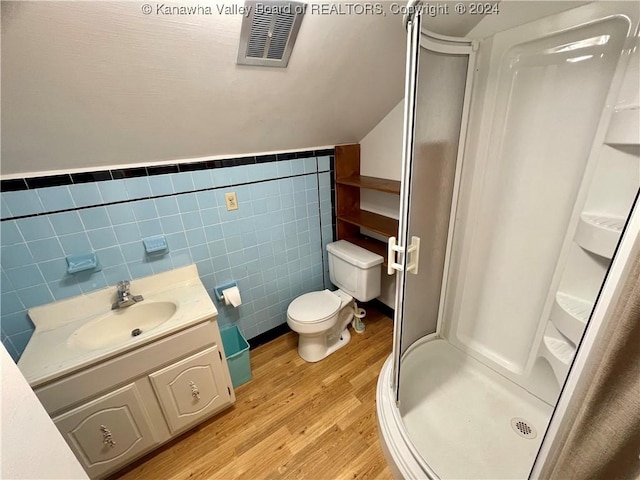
point(236, 349)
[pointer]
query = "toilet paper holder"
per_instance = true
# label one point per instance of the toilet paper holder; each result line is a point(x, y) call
point(222, 288)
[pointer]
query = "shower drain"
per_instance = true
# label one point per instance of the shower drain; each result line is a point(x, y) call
point(523, 428)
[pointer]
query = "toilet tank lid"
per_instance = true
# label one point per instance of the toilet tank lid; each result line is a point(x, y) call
point(354, 254)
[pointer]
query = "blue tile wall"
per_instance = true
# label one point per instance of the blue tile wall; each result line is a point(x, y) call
point(274, 245)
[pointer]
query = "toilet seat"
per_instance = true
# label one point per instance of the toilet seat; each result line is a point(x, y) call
point(314, 307)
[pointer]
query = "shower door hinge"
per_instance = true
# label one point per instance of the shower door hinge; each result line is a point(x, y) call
point(412, 252)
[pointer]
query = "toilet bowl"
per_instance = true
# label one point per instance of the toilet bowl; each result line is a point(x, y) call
point(322, 318)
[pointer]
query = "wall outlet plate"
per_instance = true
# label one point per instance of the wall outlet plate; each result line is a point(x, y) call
point(232, 201)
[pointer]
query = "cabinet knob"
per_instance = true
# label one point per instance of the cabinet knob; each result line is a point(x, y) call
point(106, 436)
point(195, 393)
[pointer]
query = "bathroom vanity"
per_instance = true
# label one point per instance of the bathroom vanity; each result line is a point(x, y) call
point(114, 395)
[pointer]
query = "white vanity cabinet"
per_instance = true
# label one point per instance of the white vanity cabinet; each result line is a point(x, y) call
point(114, 412)
point(189, 389)
point(108, 431)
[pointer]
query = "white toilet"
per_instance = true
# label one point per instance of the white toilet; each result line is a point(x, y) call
point(321, 318)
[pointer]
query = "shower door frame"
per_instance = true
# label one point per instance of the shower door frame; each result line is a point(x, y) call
point(441, 44)
point(578, 376)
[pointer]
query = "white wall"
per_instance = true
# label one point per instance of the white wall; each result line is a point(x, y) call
point(381, 148)
point(381, 156)
point(91, 84)
point(30, 444)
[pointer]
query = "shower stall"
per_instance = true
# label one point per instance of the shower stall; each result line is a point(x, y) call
point(521, 169)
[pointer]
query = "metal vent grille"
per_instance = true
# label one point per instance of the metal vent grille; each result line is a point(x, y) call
point(280, 36)
point(268, 33)
point(258, 36)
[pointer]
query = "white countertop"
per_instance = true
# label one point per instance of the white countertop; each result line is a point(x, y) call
point(49, 354)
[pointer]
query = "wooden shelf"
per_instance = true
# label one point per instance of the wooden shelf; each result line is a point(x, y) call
point(350, 217)
point(371, 244)
point(371, 221)
point(371, 183)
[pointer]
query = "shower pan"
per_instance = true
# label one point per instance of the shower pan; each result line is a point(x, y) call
point(521, 169)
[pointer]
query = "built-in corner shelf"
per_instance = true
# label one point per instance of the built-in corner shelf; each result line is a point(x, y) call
point(598, 230)
point(350, 217)
point(558, 351)
point(371, 183)
point(624, 128)
point(599, 234)
point(373, 222)
point(373, 245)
point(570, 314)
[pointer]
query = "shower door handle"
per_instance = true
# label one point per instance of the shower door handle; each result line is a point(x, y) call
point(392, 248)
point(413, 253)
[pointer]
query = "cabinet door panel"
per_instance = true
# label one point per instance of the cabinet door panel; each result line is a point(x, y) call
point(192, 388)
point(105, 433)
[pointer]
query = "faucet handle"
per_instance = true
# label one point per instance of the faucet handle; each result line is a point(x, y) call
point(123, 286)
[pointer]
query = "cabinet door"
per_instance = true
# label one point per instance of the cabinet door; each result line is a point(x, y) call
point(108, 431)
point(192, 388)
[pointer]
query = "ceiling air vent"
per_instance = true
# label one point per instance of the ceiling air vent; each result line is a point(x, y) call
point(269, 30)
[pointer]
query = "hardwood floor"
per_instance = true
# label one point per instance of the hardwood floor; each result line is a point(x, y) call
point(293, 420)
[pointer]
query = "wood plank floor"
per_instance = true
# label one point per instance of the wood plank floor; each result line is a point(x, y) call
point(294, 420)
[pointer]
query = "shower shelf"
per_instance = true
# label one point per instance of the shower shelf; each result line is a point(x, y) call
point(569, 315)
point(624, 128)
point(599, 234)
point(558, 351)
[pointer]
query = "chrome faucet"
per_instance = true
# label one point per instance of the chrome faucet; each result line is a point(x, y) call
point(125, 299)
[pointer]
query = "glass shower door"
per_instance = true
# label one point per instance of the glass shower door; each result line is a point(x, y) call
point(436, 100)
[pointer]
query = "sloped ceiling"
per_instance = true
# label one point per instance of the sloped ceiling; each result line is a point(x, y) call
point(90, 84)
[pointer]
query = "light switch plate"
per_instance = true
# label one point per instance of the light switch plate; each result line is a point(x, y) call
point(232, 201)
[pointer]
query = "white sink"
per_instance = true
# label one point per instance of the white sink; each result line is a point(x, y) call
point(120, 326)
point(81, 331)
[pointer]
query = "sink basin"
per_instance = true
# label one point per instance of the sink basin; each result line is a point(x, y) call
point(120, 326)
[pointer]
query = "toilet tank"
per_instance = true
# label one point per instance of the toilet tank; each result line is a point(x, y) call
point(354, 270)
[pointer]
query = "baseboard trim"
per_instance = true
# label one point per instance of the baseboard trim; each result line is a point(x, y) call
point(381, 307)
point(283, 329)
point(269, 335)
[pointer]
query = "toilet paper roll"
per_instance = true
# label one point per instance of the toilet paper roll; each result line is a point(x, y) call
point(232, 296)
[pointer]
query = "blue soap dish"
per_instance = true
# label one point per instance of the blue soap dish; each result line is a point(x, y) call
point(155, 245)
point(82, 263)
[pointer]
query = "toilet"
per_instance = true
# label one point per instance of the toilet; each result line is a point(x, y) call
point(321, 319)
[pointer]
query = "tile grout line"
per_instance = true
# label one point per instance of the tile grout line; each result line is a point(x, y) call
point(50, 285)
point(153, 197)
point(78, 178)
